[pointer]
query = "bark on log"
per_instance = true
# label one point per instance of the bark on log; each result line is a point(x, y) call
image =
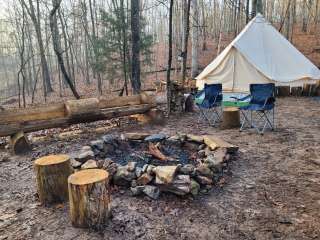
point(230, 118)
point(89, 198)
point(75, 108)
point(52, 178)
point(19, 143)
point(9, 129)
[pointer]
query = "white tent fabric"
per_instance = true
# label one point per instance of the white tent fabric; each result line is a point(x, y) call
point(259, 54)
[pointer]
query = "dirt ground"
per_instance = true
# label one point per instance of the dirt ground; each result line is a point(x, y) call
point(272, 192)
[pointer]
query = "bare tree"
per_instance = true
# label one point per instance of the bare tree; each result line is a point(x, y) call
point(135, 29)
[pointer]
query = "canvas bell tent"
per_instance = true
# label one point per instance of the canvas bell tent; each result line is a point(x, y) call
point(259, 54)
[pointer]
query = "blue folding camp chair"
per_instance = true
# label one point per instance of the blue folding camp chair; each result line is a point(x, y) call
point(261, 107)
point(211, 106)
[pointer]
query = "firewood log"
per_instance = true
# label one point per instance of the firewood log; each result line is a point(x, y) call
point(52, 174)
point(89, 198)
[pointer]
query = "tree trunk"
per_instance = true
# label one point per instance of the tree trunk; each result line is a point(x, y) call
point(135, 30)
point(195, 40)
point(169, 59)
point(57, 45)
point(186, 29)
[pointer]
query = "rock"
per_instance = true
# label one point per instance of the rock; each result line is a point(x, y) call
point(100, 163)
point(111, 169)
point(204, 180)
point(150, 169)
point(187, 169)
point(85, 149)
point(138, 171)
point(134, 183)
point(109, 139)
point(194, 188)
point(90, 164)
point(216, 161)
point(138, 190)
point(85, 156)
point(98, 144)
point(201, 153)
point(155, 138)
point(165, 174)
point(174, 140)
point(204, 170)
point(75, 163)
point(144, 168)
point(202, 147)
point(123, 177)
point(131, 166)
point(181, 185)
point(151, 191)
point(144, 179)
point(134, 136)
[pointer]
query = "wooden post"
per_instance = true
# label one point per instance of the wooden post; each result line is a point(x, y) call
point(89, 198)
point(19, 143)
point(52, 178)
point(230, 118)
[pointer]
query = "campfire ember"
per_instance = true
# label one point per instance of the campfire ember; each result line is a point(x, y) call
point(153, 163)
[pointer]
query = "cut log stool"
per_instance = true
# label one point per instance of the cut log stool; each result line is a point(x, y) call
point(89, 198)
point(230, 118)
point(52, 178)
point(19, 143)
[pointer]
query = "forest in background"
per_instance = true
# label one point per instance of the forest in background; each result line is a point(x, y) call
point(58, 49)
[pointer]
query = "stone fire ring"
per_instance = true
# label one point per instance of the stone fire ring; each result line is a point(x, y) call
point(153, 163)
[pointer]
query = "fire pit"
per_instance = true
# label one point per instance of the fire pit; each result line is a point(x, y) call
point(153, 163)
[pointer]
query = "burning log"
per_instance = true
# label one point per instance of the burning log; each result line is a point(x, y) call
point(52, 178)
point(89, 198)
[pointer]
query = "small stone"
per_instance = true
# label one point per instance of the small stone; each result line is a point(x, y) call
point(90, 164)
point(85, 149)
point(131, 166)
point(136, 191)
point(202, 154)
point(144, 179)
point(165, 174)
point(204, 180)
point(144, 168)
point(151, 191)
point(123, 177)
point(155, 137)
point(100, 163)
point(187, 169)
point(181, 185)
point(75, 163)
point(194, 188)
point(134, 183)
point(204, 170)
point(109, 139)
point(111, 169)
point(98, 144)
point(202, 147)
point(150, 169)
point(138, 171)
point(84, 156)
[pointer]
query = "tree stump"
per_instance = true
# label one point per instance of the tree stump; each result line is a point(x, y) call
point(230, 118)
point(52, 178)
point(19, 143)
point(89, 198)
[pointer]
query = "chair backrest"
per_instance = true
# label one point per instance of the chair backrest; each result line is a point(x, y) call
point(211, 91)
point(261, 92)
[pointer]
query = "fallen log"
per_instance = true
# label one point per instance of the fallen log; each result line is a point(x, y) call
point(104, 114)
point(214, 143)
